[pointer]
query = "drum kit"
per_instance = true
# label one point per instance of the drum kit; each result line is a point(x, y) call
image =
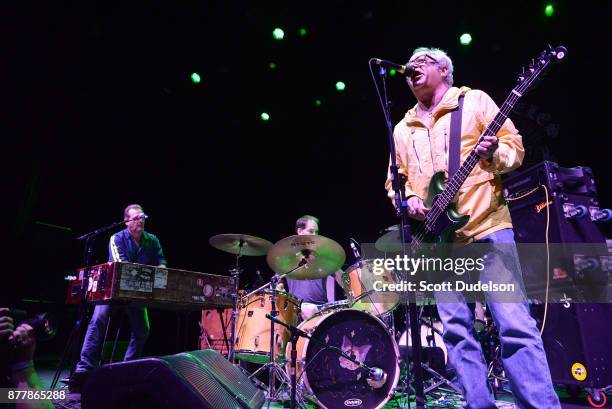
point(344, 355)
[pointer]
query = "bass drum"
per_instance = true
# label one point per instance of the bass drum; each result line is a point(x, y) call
point(331, 380)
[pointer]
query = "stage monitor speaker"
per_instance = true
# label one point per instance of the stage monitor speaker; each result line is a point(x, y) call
point(198, 380)
point(576, 340)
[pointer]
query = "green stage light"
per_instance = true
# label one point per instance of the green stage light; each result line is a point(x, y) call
point(340, 86)
point(303, 32)
point(278, 34)
point(465, 39)
point(272, 66)
point(264, 116)
point(392, 72)
point(195, 78)
point(549, 10)
point(318, 102)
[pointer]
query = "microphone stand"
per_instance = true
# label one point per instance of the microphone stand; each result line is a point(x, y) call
point(78, 332)
point(401, 208)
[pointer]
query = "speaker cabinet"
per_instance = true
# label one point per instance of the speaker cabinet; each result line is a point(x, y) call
point(198, 379)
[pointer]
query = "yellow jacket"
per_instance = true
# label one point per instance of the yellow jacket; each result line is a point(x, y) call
point(422, 151)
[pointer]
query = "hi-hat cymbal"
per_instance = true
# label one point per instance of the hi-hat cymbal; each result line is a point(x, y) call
point(390, 242)
point(232, 243)
point(324, 256)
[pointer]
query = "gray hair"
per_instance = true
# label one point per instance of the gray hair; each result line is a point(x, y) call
point(440, 56)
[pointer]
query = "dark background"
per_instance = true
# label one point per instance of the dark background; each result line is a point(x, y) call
point(100, 112)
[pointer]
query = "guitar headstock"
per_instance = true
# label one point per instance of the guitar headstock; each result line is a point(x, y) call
point(538, 66)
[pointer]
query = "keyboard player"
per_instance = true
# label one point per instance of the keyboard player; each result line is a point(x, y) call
point(134, 245)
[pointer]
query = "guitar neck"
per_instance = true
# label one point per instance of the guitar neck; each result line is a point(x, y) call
point(455, 183)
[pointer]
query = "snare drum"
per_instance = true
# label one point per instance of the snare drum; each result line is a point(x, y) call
point(332, 380)
point(253, 328)
point(358, 284)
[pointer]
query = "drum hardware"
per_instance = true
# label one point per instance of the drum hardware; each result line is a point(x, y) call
point(274, 369)
point(376, 377)
point(432, 340)
point(304, 259)
point(240, 245)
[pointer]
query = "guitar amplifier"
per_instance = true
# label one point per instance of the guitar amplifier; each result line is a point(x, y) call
point(579, 259)
point(148, 285)
point(575, 181)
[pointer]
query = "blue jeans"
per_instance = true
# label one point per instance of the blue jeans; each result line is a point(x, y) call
point(90, 353)
point(522, 350)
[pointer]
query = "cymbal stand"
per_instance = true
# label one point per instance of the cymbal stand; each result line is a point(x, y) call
point(235, 273)
point(274, 370)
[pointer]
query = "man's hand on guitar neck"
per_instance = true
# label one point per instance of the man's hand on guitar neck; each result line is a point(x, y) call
point(487, 146)
point(416, 208)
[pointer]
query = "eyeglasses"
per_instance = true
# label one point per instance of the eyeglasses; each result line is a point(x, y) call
point(423, 60)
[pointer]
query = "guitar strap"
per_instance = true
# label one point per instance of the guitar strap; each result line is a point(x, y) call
point(455, 139)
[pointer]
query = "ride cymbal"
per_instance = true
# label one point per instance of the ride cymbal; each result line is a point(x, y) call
point(241, 243)
point(391, 241)
point(323, 256)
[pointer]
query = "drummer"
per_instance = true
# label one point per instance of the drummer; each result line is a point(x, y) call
point(312, 292)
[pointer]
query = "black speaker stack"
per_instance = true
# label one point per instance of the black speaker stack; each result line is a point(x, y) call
point(577, 330)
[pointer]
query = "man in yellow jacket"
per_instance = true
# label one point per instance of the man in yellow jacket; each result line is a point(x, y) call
point(422, 146)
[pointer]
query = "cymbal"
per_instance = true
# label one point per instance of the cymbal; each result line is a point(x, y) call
point(390, 242)
point(230, 243)
point(324, 256)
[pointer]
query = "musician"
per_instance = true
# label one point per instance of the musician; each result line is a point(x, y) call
point(422, 144)
point(312, 292)
point(134, 245)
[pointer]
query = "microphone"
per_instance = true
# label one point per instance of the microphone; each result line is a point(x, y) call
point(377, 374)
point(402, 69)
point(355, 251)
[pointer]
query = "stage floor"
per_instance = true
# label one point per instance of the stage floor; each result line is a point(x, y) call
point(46, 370)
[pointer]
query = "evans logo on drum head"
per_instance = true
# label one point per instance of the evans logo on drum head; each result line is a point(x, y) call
point(352, 402)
